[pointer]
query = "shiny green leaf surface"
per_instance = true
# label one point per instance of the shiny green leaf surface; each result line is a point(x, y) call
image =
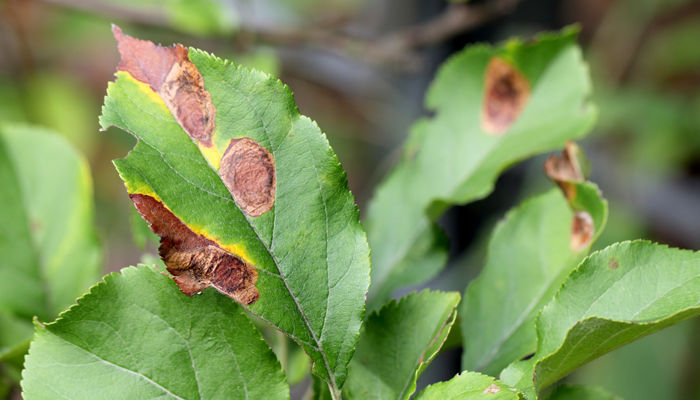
point(397, 343)
point(619, 294)
point(135, 336)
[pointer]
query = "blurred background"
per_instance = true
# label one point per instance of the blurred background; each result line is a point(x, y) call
point(360, 68)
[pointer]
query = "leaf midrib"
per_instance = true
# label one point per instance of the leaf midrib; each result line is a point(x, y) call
point(293, 118)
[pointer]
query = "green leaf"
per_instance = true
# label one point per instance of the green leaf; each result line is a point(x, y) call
point(307, 255)
point(617, 295)
point(320, 389)
point(295, 362)
point(64, 104)
point(298, 365)
point(571, 392)
point(451, 159)
point(397, 343)
point(201, 17)
point(13, 332)
point(529, 256)
point(197, 17)
point(134, 336)
point(664, 356)
point(50, 250)
point(469, 386)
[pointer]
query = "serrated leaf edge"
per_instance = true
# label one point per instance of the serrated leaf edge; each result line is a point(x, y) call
point(593, 317)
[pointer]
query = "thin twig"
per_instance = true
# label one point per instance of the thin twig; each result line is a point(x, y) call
point(660, 22)
point(106, 8)
point(397, 47)
point(457, 18)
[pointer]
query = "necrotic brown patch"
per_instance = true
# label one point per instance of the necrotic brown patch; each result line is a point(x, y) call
point(565, 169)
point(613, 263)
point(195, 261)
point(582, 230)
point(170, 73)
point(506, 92)
point(248, 171)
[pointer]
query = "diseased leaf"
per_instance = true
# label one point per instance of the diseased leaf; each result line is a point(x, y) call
point(134, 336)
point(571, 392)
point(300, 263)
point(493, 107)
point(568, 171)
point(469, 386)
point(50, 251)
point(397, 343)
point(529, 256)
point(617, 295)
point(506, 92)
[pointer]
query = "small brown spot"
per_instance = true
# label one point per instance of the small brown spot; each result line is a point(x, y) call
point(566, 169)
point(35, 225)
point(248, 171)
point(506, 92)
point(613, 263)
point(493, 388)
point(582, 230)
point(170, 73)
point(195, 261)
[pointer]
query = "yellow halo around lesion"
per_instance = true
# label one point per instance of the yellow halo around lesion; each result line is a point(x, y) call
point(144, 88)
point(237, 249)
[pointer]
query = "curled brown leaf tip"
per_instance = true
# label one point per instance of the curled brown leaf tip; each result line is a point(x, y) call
point(582, 230)
point(565, 169)
point(195, 261)
point(248, 171)
point(506, 92)
point(170, 73)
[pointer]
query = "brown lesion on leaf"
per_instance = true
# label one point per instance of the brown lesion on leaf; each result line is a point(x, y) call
point(248, 171)
point(170, 73)
point(582, 230)
point(195, 261)
point(566, 169)
point(506, 92)
point(613, 263)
